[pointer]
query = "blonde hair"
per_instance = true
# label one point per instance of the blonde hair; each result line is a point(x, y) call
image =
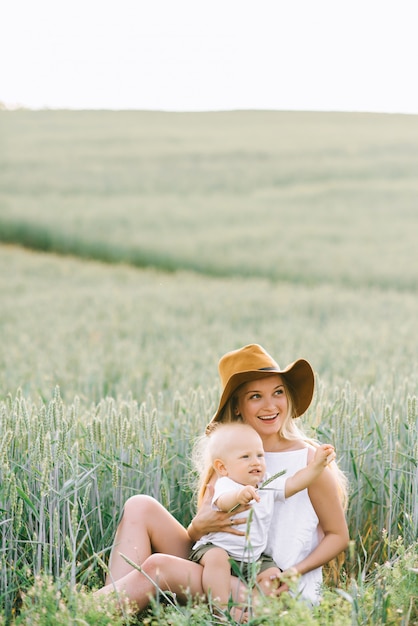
point(289, 430)
point(213, 445)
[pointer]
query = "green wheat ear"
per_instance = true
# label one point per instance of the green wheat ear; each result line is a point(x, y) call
point(269, 480)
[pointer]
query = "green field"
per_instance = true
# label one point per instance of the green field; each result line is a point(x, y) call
point(136, 248)
point(304, 198)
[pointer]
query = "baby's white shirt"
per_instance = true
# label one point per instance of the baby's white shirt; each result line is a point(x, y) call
point(250, 547)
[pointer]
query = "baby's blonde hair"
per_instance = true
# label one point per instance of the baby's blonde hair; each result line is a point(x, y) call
point(214, 445)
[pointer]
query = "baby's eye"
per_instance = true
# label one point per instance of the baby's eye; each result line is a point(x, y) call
point(255, 396)
point(279, 392)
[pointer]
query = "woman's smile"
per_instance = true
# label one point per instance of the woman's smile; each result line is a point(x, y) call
point(268, 418)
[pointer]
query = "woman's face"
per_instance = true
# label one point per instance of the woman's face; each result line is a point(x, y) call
point(263, 404)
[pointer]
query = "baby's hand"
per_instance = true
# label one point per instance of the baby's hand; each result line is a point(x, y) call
point(247, 494)
point(324, 455)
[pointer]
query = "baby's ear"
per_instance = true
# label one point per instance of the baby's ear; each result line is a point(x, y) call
point(219, 467)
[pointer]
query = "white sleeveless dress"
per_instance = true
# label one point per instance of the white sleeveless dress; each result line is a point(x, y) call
point(295, 529)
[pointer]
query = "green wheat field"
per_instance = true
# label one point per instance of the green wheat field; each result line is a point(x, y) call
point(135, 249)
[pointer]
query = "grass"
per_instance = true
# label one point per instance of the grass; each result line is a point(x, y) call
point(172, 238)
point(67, 469)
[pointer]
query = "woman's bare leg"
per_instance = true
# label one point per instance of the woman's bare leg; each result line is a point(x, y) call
point(169, 573)
point(146, 527)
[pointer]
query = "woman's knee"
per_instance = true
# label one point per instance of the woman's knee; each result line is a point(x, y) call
point(155, 565)
point(138, 506)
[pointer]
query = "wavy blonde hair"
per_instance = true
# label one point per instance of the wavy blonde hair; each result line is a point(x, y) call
point(289, 430)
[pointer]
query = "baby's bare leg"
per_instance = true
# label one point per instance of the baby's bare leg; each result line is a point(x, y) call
point(216, 577)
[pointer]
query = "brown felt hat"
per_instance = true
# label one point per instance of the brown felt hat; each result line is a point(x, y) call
point(253, 362)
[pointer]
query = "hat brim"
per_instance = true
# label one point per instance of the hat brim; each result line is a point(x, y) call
point(299, 377)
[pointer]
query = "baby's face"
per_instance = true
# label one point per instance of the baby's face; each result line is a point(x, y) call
point(245, 462)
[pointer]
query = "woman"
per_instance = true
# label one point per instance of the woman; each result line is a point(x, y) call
point(312, 524)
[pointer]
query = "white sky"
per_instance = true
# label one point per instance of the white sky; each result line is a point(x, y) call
point(351, 55)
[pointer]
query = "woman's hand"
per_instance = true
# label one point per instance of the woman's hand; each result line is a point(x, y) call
point(207, 520)
point(275, 582)
point(287, 580)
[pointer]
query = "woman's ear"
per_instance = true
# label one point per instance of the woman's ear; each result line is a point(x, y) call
point(220, 467)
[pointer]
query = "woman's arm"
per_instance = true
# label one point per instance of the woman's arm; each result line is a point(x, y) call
point(327, 504)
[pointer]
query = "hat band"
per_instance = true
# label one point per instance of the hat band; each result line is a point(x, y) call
point(267, 369)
